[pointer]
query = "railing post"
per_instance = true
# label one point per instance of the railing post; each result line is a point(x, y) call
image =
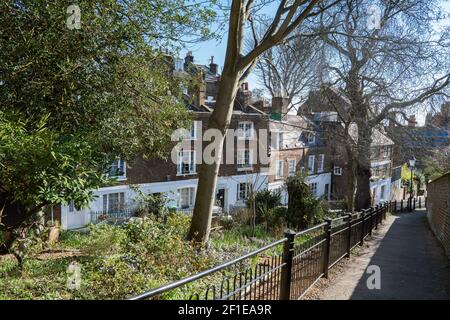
point(286, 271)
point(377, 212)
point(326, 260)
point(401, 205)
point(414, 207)
point(425, 202)
point(363, 217)
point(395, 206)
point(371, 221)
point(386, 210)
point(420, 203)
point(349, 238)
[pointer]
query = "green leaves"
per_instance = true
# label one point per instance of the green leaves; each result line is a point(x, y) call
point(73, 100)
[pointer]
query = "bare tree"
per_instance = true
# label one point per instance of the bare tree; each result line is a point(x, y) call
point(291, 69)
point(384, 57)
point(289, 14)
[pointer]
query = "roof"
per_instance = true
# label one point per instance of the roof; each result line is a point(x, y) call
point(379, 138)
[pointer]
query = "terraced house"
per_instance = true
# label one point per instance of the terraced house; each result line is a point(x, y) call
point(177, 177)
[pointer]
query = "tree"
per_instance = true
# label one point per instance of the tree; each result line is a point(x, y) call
point(383, 57)
point(82, 89)
point(436, 164)
point(291, 69)
point(238, 64)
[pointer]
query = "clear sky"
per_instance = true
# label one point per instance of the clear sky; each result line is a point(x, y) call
point(203, 51)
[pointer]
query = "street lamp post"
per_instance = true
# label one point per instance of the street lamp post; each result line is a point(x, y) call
point(412, 164)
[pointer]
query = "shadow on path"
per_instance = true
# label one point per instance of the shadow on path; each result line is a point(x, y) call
point(412, 262)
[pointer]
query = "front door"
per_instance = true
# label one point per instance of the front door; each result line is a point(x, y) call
point(220, 198)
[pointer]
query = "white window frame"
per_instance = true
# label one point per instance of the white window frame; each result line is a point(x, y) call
point(242, 163)
point(246, 191)
point(311, 138)
point(280, 140)
point(311, 160)
point(337, 171)
point(279, 169)
point(382, 192)
point(71, 206)
point(190, 197)
point(120, 164)
point(292, 164)
point(247, 132)
point(313, 187)
point(321, 163)
point(191, 162)
point(107, 201)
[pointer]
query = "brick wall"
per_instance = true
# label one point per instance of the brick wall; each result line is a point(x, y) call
point(438, 205)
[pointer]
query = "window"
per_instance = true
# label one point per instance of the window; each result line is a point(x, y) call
point(117, 169)
point(179, 64)
point(71, 206)
point(311, 138)
point(245, 131)
point(186, 162)
point(321, 163)
point(244, 157)
point(113, 202)
point(337, 171)
point(382, 192)
point(291, 167)
point(186, 197)
point(327, 190)
point(243, 191)
point(193, 131)
point(311, 164)
point(313, 188)
point(280, 141)
point(385, 152)
point(279, 168)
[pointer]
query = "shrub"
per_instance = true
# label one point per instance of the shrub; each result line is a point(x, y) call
point(265, 200)
point(304, 210)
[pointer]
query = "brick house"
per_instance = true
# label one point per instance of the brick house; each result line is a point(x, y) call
point(296, 147)
point(178, 179)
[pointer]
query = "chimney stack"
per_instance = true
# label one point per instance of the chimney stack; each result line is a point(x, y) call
point(213, 66)
point(412, 121)
point(244, 95)
point(189, 58)
point(279, 107)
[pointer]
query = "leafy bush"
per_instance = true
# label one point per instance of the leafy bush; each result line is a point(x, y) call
point(149, 203)
point(304, 210)
point(265, 200)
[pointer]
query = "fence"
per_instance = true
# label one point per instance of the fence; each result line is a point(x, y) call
point(285, 269)
point(115, 216)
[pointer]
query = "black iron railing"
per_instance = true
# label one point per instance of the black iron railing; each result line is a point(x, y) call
point(111, 216)
point(285, 269)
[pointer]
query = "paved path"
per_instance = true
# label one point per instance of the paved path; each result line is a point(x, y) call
point(413, 264)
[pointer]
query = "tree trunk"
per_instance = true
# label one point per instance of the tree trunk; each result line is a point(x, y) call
point(207, 179)
point(350, 198)
point(363, 173)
